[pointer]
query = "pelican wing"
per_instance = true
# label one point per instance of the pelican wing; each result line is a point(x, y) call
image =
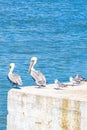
point(15, 78)
point(11, 78)
point(38, 77)
point(18, 79)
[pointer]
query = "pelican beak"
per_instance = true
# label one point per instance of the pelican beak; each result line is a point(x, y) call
point(31, 65)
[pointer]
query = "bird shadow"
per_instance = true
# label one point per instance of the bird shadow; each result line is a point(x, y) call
point(58, 88)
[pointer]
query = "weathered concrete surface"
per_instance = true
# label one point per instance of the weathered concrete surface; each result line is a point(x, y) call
point(33, 108)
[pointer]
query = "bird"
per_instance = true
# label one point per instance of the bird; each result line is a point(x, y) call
point(73, 81)
point(79, 78)
point(14, 78)
point(38, 77)
point(59, 84)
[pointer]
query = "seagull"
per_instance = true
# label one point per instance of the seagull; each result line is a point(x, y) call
point(14, 78)
point(73, 81)
point(38, 77)
point(79, 78)
point(59, 84)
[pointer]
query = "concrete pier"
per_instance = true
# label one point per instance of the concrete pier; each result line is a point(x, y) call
point(48, 108)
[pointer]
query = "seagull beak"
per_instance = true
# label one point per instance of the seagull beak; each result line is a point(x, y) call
point(31, 65)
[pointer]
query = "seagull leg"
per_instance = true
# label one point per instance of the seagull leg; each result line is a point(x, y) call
point(38, 86)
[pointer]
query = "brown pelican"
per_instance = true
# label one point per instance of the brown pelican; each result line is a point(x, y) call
point(14, 78)
point(36, 75)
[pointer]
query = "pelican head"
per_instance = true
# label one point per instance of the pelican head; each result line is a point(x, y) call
point(32, 63)
point(11, 67)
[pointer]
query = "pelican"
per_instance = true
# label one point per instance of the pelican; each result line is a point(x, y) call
point(36, 75)
point(14, 78)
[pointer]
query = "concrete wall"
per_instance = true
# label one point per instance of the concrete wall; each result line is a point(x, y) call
point(32, 108)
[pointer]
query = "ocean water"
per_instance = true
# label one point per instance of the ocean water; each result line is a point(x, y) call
point(53, 31)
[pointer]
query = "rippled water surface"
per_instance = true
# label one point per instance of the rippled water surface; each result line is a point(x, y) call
point(55, 32)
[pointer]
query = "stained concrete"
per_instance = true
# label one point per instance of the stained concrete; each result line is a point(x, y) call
point(50, 108)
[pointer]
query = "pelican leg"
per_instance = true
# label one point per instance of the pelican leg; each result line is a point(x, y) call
point(16, 86)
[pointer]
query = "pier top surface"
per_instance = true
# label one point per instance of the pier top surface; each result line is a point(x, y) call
point(76, 92)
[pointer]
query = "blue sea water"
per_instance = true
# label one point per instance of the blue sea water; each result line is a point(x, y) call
point(54, 31)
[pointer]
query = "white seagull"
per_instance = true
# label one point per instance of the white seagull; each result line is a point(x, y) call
point(59, 84)
point(79, 78)
point(36, 75)
point(14, 78)
point(73, 81)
